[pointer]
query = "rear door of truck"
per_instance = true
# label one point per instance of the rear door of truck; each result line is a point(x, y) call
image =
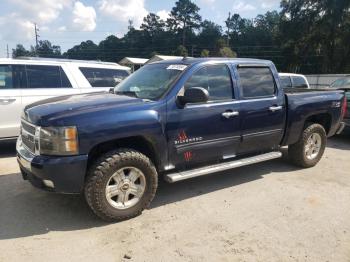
point(263, 111)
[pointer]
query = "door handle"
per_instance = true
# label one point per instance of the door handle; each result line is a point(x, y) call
point(7, 101)
point(229, 114)
point(275, 108)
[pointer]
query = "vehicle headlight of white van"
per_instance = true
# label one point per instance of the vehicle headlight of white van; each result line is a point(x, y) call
point(59, 141)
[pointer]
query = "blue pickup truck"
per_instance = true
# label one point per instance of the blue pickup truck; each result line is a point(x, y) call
point(178, 119)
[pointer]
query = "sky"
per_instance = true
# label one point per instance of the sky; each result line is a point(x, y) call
point(69, 22)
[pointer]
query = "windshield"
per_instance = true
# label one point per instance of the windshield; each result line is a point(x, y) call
point(150, 81)
point(341, 82)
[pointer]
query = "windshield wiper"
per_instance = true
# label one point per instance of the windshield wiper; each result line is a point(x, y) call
point(126, 93)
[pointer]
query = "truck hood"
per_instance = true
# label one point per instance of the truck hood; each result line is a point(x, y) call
point(50, 109)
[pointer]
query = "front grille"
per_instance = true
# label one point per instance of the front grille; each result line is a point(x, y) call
point(28, 135)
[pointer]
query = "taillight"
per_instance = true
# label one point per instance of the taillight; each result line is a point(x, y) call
point(344, 107)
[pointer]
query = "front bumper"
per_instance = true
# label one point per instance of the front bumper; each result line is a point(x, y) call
point(67, 174)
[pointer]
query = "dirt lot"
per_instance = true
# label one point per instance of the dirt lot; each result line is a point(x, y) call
point(266, 212)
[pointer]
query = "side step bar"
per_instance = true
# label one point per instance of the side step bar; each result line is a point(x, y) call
point(178, 176)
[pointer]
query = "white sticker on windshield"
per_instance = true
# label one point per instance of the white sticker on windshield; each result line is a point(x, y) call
point(177, 67)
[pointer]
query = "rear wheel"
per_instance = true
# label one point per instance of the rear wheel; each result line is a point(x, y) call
point(121, 184)
point(308, 151)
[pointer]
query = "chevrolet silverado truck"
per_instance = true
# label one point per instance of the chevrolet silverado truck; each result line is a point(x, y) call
point(176, 119)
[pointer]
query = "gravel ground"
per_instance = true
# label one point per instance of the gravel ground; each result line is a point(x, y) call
point(267, 212)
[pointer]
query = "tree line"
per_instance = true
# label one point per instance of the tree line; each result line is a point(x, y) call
point(306, 36)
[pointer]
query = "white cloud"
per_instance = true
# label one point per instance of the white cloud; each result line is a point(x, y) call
point(62, 28)
point(84, 17)
point(18, 25)
point(122, 11)
point(163, 14)
point(14, 27)
point(243, 7)
point(42, 11)
point(270, 4)
point(207, 2)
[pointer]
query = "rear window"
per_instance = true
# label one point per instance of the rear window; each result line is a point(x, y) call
point(256, 82)
point(286, 81)
point(102, 77)
point(42, 76)
point(299, 82)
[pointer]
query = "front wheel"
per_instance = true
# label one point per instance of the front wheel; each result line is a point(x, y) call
point(121, 184)
point(308, 151)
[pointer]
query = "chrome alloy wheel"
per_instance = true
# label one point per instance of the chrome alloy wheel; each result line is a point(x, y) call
point(125, 188)
point(313, 146)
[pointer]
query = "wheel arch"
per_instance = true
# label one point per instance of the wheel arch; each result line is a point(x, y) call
point(323, 119)
point(140, 143)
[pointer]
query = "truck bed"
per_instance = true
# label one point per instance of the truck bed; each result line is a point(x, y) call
point(303, 103)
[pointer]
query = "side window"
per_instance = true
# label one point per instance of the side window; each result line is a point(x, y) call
point(102, 77)
point(299, 82)
point(286, 81)
point(41, 76)
point(216, 79)
point(220, 85)
point(19, 76)
point(6, 79)
point(256, 82)
point(198, 79)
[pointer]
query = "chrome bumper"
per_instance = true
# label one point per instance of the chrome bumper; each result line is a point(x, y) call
point(24, 157)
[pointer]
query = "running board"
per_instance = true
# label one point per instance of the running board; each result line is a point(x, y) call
point(174, 177)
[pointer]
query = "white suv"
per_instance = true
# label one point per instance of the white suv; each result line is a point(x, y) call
point(27, 80)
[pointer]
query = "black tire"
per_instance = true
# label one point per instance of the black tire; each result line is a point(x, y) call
point(296, 152)
point(100, 173)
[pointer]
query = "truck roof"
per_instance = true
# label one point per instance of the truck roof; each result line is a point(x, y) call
point(192, 61)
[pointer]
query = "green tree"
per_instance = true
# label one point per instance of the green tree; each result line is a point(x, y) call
point(152, 24)
point(184, 17)
point(208, 35)
point(86, 50)
point(181, 51)
point(205, 53)
point(227, 52)
point(316, 34)
point(21, 51)
point(46, 49)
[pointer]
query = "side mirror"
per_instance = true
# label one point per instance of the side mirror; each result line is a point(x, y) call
point(111, 90)
point(194, 95)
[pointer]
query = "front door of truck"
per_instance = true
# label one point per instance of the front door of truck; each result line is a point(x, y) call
point(205, 132)
point(262, 109)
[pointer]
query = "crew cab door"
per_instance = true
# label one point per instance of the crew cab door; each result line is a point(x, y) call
point(262, 109)
point(200, 133)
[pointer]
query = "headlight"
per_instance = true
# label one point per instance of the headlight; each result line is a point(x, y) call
point(56, 140)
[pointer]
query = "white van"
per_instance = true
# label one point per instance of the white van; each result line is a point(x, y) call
point(26, 80)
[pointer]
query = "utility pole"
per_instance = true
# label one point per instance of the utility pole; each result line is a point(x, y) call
point(228, 28)
point(7, 51)
point(36, 30)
